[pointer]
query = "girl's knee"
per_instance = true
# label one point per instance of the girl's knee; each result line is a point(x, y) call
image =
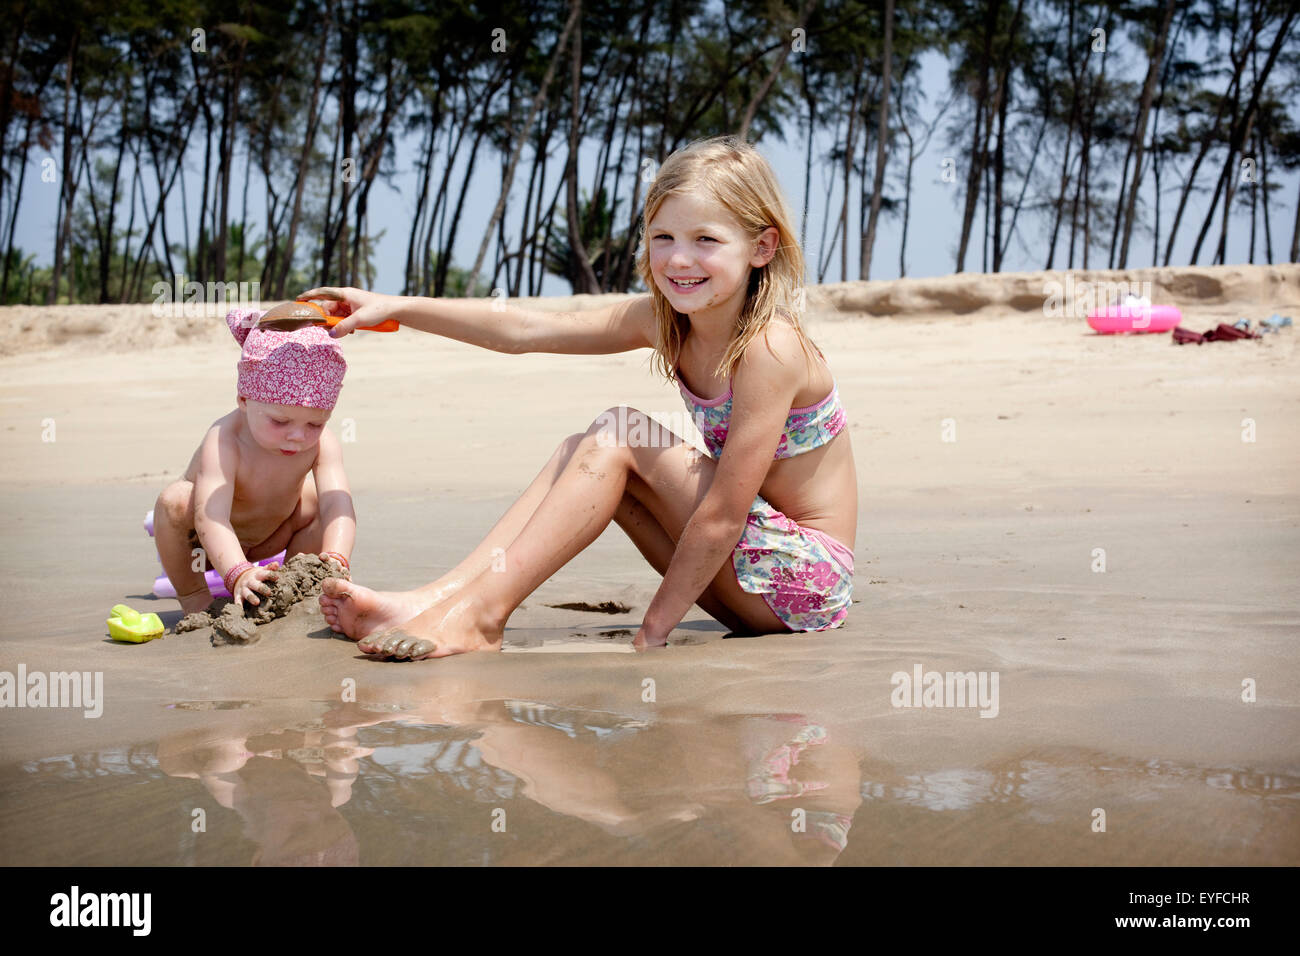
point(565, 450)
point(625, 427)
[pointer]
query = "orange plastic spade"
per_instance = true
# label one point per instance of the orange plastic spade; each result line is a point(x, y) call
point(295, 315)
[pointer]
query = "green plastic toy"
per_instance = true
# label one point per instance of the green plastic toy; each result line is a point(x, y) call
point(128, 624)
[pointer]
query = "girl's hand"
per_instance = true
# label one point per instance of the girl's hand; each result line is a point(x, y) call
point(363, 309)
point(646, 638)
point(254, 582)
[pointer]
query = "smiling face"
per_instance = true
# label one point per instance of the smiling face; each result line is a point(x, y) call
point(284, 429)
point(701, 258)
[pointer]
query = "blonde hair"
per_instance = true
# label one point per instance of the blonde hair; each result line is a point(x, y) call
point(735, 175)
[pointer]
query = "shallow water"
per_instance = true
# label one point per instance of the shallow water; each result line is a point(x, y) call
point(530, 782)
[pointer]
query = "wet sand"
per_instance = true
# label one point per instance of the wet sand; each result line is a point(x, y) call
point(1119, 690)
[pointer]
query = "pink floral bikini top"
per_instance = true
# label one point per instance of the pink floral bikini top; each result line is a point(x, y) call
point(805, 428)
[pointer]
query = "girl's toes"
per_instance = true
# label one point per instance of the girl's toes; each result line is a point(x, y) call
point(379, 645)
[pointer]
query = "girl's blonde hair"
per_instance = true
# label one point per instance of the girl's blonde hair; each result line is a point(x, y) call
point(735, 175)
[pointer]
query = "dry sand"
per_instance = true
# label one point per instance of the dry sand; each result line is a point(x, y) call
point(1119, 690)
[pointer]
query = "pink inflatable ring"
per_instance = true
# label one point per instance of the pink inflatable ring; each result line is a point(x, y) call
point(163, 587)
point(1135, 318)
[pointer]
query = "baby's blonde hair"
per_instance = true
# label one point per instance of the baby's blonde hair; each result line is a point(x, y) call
point(737, 177)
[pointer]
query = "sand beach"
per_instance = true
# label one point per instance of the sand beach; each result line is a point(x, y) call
point(1110, 525)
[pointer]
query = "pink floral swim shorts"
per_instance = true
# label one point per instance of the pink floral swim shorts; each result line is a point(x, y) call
point(804, 575)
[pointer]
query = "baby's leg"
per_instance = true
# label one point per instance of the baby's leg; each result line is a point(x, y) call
point(173, 525)
point(300, 533)
point(308, 530)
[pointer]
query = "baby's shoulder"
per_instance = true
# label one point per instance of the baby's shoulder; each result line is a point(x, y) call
point(226, 428)
point(221, 440)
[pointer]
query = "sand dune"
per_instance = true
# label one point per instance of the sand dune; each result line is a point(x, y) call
point(1249, 290)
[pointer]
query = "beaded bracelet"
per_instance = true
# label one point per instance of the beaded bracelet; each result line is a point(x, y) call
point(233, 575)
point(340, 559)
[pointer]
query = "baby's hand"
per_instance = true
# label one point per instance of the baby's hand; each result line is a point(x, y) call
point(254, 582)
point(363, 309)
point(332, 560)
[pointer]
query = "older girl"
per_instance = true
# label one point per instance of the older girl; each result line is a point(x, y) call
point(759, 533)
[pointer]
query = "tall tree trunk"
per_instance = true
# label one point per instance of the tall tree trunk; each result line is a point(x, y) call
point(106, 244)
point(907, 175)
point(1058, 211)
point(585, 278)
point(1242, 133)
point(1239, 133)
point(850, 140)
point(639, 98)
point(807, 155)
point(1154, 64)
point(1262, 144)
point(1211, 137)
point(431, 284)
point(480, 129)
point(13, 213)
point(575, 12)
point(66, 188)
point(882, 135)
point(281, 279)
point(975, 172)
point(1295, 232)
point(1155, 136)
point(229, 137)
point(8, 96)
point(999, 156)
point(338, 236)
point(765, 87)
point(410, 280)
point(448, 238)
point(136, 180)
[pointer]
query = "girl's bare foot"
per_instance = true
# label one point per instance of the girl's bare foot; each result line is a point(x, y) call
point(454, 626)
point(359, 612)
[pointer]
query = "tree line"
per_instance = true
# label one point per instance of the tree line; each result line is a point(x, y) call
point(231, 141)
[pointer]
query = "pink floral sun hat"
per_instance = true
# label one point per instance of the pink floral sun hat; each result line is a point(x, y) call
point(304, 367)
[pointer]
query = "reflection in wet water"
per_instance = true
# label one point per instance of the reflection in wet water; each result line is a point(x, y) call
point(475, 782)
point(509, 781)
point(1037, 781)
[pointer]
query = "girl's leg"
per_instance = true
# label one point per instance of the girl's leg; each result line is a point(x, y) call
point(657, 546)
point(359, 611)
point(583, 500)
point(173, 517)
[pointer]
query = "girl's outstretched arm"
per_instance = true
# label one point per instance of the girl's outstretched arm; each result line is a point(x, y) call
point(502, 327)
point(763, 390)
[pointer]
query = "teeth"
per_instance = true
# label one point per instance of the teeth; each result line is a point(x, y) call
point(690, 283)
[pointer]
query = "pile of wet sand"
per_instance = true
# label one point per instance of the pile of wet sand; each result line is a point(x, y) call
point(229, 622)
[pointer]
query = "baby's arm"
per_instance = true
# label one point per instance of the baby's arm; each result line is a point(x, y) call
point(338, 518)
point(214, 494)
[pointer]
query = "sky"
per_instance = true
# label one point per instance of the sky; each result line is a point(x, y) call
point(934, 223)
